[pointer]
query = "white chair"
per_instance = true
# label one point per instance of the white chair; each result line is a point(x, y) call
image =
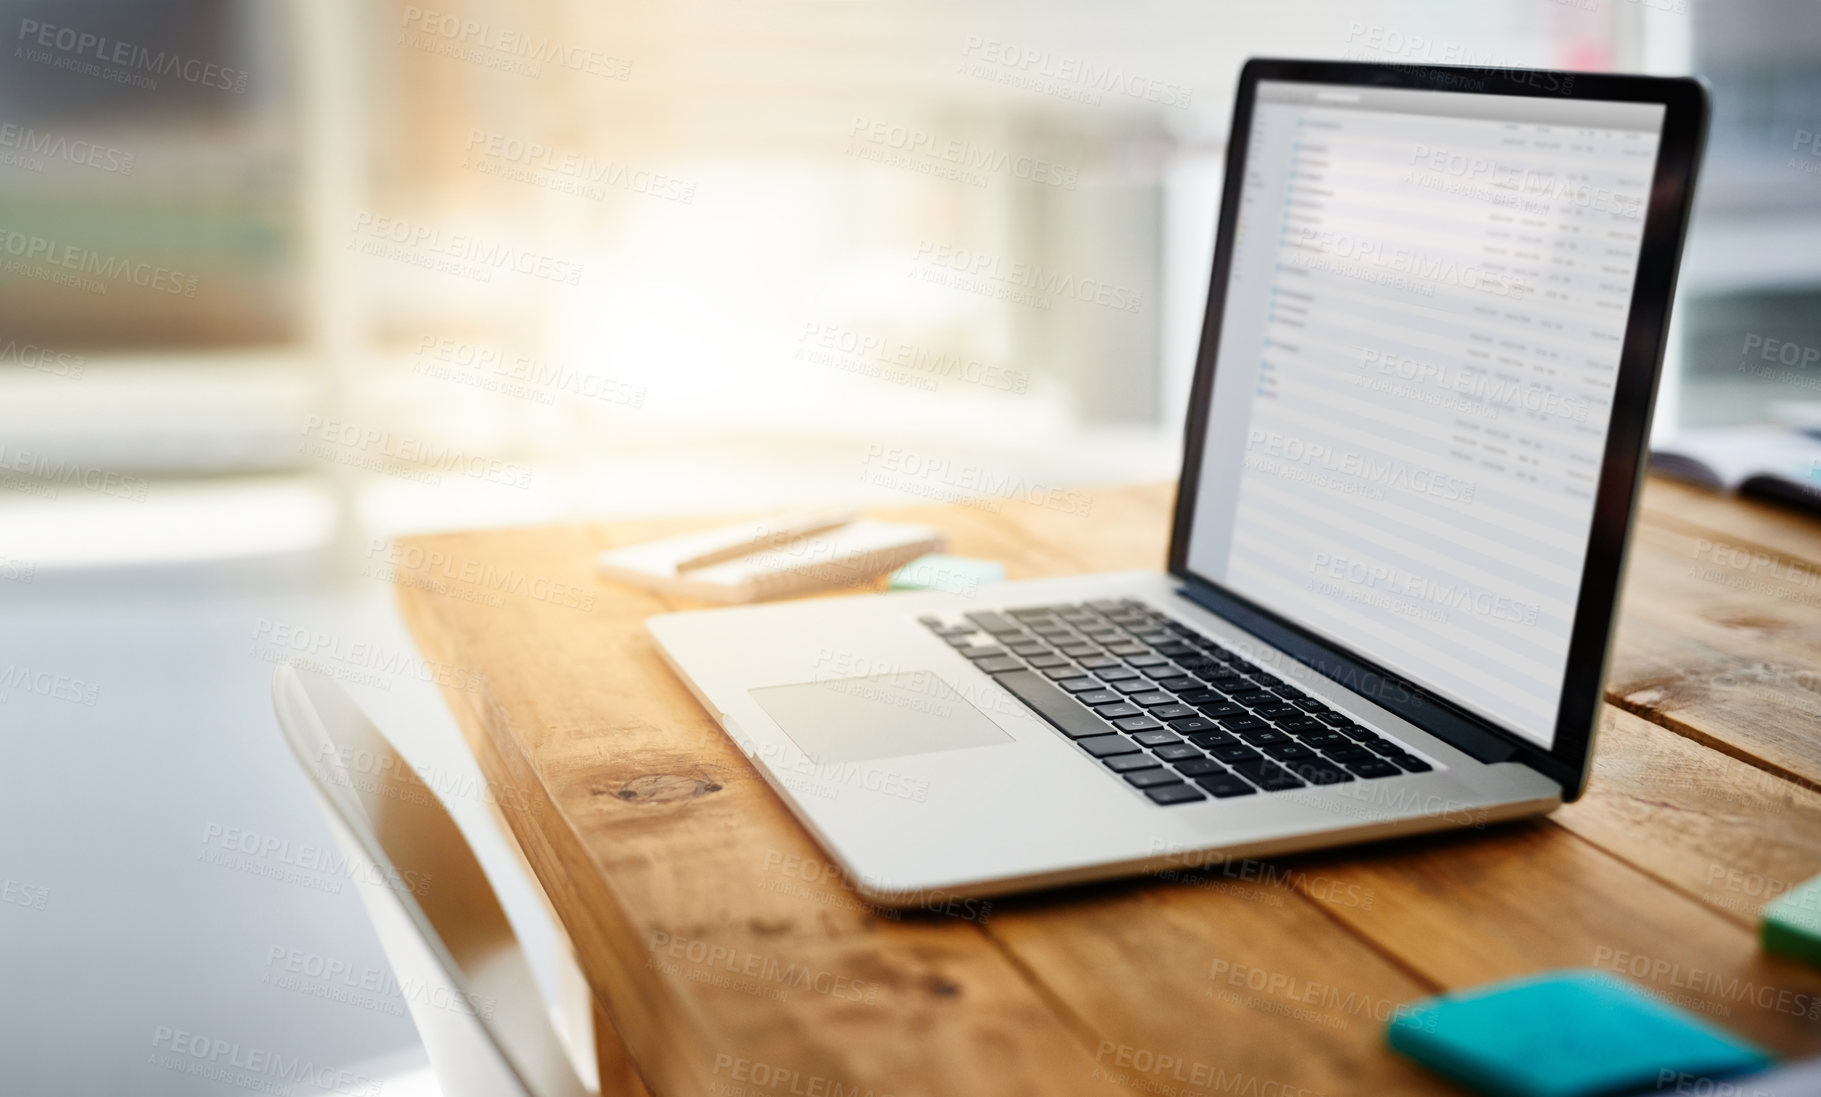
point(484, 1023)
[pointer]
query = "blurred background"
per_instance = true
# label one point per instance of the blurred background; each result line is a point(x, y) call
point(279, 280)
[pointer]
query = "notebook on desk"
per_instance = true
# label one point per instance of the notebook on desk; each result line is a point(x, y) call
point(1762, 462)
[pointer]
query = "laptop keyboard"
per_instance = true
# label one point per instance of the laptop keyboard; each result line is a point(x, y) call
point(1163, 707)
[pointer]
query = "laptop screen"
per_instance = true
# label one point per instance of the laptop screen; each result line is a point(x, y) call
point(1420, 338)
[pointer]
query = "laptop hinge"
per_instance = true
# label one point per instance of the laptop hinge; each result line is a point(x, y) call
point(1434, 717)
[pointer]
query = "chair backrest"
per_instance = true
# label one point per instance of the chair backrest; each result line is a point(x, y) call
point(484, 1024)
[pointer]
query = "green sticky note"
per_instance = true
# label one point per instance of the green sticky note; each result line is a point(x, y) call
point(949, 574)
point(1791, 925)
point(1564, 1034)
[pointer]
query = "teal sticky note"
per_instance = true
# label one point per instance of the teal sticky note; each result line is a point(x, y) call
point(1564, 1034)
point(949, 574)
point(1791, 924)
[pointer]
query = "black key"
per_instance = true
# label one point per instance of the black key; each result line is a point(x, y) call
point(1156, 737)
point(1117, 711)
point(999, 664)
point(1313, 707)
point(1153, 697)
point(1176, 752)
point(1054, 705)
point(1173, 648)
point(1174, 794)
point(1349, 754)
point(1209, 739)
point(1105, 746)
point(1203, 667)
point(1243, 723)
point(1220, 710)
point(1276, 782)
point(1045, 662)
point(1298, 725)
point(1078, 685)
point(1333, 719)
point(1147, 778)
point(1318, 772)
point(1259, 737)
point(1189, 725)
point(995, 623)
point(1267, 710)
point(1235, 753)
point(1129, 685)
point(1100, 662)
point(1144, 662)
point(1412, 763)
point(1129, 649)
point(1251, 698)
point(1289, 692)
point(1172, 712)
point(1099, 697)
point(1323, 740)
point(1373, 767)
point(1081, 651)
point(1201, 696)
point(1066, 670)
point(1125, 763)
point(1224, 785)
point(1181, 683)
point(1288, 751)
point(1114, 674)
point(1137, 723)
point(1199, 766)
point(1032, 648)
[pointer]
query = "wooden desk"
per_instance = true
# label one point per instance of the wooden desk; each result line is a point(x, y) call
point(645, 824)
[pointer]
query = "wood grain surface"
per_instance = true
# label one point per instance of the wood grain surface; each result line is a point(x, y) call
point(729, 957)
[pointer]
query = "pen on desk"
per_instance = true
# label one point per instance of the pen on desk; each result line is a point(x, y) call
point(789, 528)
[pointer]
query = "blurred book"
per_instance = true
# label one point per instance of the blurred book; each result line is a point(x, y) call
point(774, 557)
point(1769, 462)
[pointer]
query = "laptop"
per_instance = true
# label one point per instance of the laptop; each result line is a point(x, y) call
point(1435, 321)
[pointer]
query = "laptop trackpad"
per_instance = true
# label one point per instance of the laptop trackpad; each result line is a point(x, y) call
point(883, 716)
